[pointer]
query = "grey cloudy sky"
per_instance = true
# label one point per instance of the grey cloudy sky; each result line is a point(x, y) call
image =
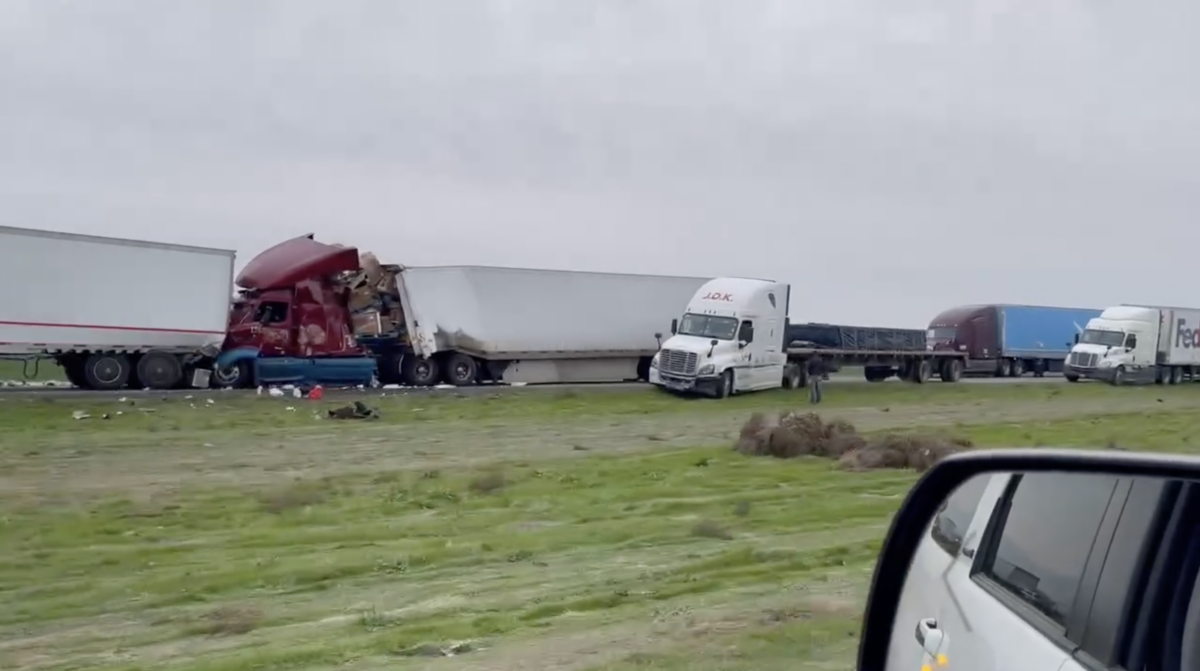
point(889, 157)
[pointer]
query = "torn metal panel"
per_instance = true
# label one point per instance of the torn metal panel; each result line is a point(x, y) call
point(294, 261)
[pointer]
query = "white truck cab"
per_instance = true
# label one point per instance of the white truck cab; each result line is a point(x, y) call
point(729, 340)
point(1118, 346)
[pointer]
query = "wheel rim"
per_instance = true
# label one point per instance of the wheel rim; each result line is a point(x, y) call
point(462, 372)
point(227, 375)
point(422, 370)
point(107, 370)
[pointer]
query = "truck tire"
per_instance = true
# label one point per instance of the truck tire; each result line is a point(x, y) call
point(791, 377)
point(724, 386)
point(73, 369)
point(460, 370)
point(160, 370)
point(876, 373)
point(107, 372)
point(1016, 368)
point(1176, 375)
point(1118, 377)
point(419, 372)
point(904, 371)
point(1003, 368)
point(921, 371)
point(238, 376)
point(951, 370)
point(1071, 378)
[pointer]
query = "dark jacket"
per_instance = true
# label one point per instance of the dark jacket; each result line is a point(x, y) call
point(816, 367)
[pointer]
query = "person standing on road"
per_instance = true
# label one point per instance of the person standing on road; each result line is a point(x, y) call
point(816, 373)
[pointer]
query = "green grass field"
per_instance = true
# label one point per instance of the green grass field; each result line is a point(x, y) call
point(533, 529)
point(32, 371)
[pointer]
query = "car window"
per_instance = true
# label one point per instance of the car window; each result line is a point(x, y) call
point(1046, 537)
point(952, 520)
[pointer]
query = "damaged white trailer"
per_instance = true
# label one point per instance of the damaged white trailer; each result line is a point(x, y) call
point(112, 312)
point(538, 326)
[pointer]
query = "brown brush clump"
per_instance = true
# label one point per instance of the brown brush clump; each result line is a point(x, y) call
point(797, 435)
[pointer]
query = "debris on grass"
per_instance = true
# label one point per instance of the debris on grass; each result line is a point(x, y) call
point(796, 435)
point(355, 410)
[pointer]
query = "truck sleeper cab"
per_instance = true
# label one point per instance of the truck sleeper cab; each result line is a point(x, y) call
point(728, 341)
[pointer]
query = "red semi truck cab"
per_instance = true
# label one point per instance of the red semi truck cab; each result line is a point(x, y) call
point(291, 307)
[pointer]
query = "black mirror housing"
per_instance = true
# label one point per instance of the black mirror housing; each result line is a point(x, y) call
point(674, 326)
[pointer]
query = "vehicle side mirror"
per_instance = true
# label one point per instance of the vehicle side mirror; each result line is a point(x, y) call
point(1042, 490)
point(674, 326)
point(658, 336)
point(714, 342)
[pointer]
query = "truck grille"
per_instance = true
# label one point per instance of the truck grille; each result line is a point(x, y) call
point(1083, 359)
point(677, 362)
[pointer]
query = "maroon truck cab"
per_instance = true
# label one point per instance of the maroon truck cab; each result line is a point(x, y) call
point(972, 329)
point(288, 306)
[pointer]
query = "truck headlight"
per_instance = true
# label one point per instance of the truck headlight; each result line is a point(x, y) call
point(706, 369)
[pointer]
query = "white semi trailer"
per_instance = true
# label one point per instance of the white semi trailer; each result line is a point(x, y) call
point(113, 313)
point(537, 326)
point(1135, 343)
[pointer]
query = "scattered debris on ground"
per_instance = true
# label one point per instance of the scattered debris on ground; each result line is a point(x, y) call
point(355, 410)
point(798, 435)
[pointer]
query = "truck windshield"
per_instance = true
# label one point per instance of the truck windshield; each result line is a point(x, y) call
point(941, 333)
point(1106, 338)
point(707, 326)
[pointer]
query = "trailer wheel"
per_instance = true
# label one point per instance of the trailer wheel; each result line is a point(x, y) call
point(106, 372)
point(876, 373)
point(1176, 375)
point(73, 368)
point(921, 371)
point(952, 370)
point(1072, 378)
point(237, 376)
point(419, 372)
point(1003, 368)
point(460, 369)
point(1016, 368)
point(160, 370)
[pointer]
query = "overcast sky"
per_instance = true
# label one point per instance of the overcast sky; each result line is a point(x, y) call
point(889, 157)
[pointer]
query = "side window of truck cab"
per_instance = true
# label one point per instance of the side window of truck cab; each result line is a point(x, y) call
point(1131, 341)
point(746, 332)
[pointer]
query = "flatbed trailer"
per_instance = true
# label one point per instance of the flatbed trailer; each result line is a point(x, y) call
point(879, 365)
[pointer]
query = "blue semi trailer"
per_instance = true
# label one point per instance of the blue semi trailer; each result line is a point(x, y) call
point(1010, 340)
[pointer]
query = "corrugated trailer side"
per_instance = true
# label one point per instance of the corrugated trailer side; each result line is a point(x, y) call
point(543, 325)
point(1179, 337)
point(76, 292)
point(1041, 332)
point(113, 311)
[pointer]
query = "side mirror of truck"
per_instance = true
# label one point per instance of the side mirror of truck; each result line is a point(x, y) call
point(674, 326)
point(658, 336)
